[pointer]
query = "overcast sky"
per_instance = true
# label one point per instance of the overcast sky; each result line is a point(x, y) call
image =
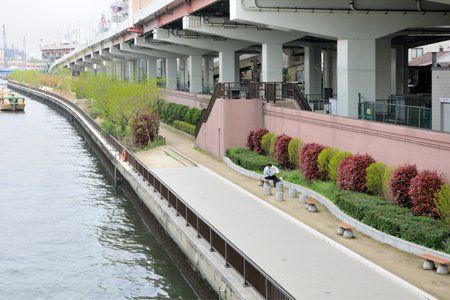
point(46, 19)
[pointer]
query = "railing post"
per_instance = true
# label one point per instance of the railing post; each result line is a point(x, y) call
point(267, 289)
point(407, 116)
point(176, 206)
point(245, 274)
point(227, 265)
point(198, 233)
point(168, 197)
point(186, 216)
point(211, 249)
point(420, 115)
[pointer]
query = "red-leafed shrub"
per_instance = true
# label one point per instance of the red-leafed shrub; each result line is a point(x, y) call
point(250, 143)
point(281, 153)
point(308, 161)
point(145, 128)
point(421, 192)
point(257, 139)
point(352, 172)
point(399, 184)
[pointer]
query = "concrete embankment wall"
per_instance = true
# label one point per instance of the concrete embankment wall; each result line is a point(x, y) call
point(392, 145)
point(225, 281)
point(231, 121)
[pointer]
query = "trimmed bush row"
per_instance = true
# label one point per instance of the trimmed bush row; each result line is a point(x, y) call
point(170, 112)
point(369, 209)
point(405, 186)
point(394, 220)
point(184, 126)
point(248, 159)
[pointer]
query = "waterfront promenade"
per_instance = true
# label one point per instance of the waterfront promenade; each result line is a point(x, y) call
point(306, 263)
point(404, 265)
point(328, 270)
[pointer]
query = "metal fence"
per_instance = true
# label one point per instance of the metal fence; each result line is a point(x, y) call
point(407, 115)
point(252, 274)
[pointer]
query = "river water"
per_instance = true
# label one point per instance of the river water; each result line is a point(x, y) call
point(65, 231)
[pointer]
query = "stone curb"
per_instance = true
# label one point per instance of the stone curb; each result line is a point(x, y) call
point(338, 213)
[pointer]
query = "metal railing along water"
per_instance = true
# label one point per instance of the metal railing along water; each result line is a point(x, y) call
point(252, 274)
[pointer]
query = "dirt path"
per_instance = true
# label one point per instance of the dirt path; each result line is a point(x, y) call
point(404, 265)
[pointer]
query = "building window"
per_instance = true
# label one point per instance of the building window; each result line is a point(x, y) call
point(416, 52)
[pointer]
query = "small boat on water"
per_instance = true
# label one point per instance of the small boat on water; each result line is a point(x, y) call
point(11, 102)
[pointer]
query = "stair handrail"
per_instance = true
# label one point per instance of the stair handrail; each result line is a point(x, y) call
point(218, 91)
point(300, 97)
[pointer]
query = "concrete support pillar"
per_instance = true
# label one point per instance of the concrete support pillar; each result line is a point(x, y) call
point(237, 67)
point(272, 63)
point(227, 68)
point(161, 69)
point(129, 70)
point(313, 70)
point(181, 71)
point(208, 71)
point(328, 69)
point(171, 73)
point(195, 73)
point(356, 74)
point(383, 69)
point(151, 68)
point(120, 67)
point(401, 71)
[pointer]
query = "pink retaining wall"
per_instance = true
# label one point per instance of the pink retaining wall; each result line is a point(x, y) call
point(228, 125)
point(185, 98)
point(392, 145)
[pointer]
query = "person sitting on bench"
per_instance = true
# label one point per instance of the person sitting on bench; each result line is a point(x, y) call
point(269, 173)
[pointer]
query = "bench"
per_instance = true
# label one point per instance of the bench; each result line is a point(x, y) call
point(345, 230)
point(311, 205)
point(430, 260)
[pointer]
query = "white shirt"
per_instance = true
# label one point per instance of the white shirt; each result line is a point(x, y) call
point(270, 171)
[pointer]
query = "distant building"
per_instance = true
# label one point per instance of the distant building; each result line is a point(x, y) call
point(54, 51)
point(436, 47)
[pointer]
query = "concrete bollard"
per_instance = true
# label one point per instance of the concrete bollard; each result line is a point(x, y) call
point(279, 186)
point(267, 189)
point(313, 208)
point(442, 270)
point(348, 234)
point(292, 193)
point(428, 265)
point(302, 198)
point(279, 196)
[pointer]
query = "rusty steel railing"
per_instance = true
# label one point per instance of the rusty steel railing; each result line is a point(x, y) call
point(252, 274)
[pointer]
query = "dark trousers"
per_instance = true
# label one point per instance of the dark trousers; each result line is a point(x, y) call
point(273, 178)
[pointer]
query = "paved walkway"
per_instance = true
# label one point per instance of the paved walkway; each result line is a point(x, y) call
point(298, 258)
point(404, 265)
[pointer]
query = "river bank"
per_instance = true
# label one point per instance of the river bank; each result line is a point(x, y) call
point(225, 281)
point(66, 231)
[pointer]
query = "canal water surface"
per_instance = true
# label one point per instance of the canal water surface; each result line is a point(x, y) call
point(65, 231)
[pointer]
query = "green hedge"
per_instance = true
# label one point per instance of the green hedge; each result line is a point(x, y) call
point(249, 159)
point(184, 126)
point(170, 112)
point(395, 220)
point(371, 210)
